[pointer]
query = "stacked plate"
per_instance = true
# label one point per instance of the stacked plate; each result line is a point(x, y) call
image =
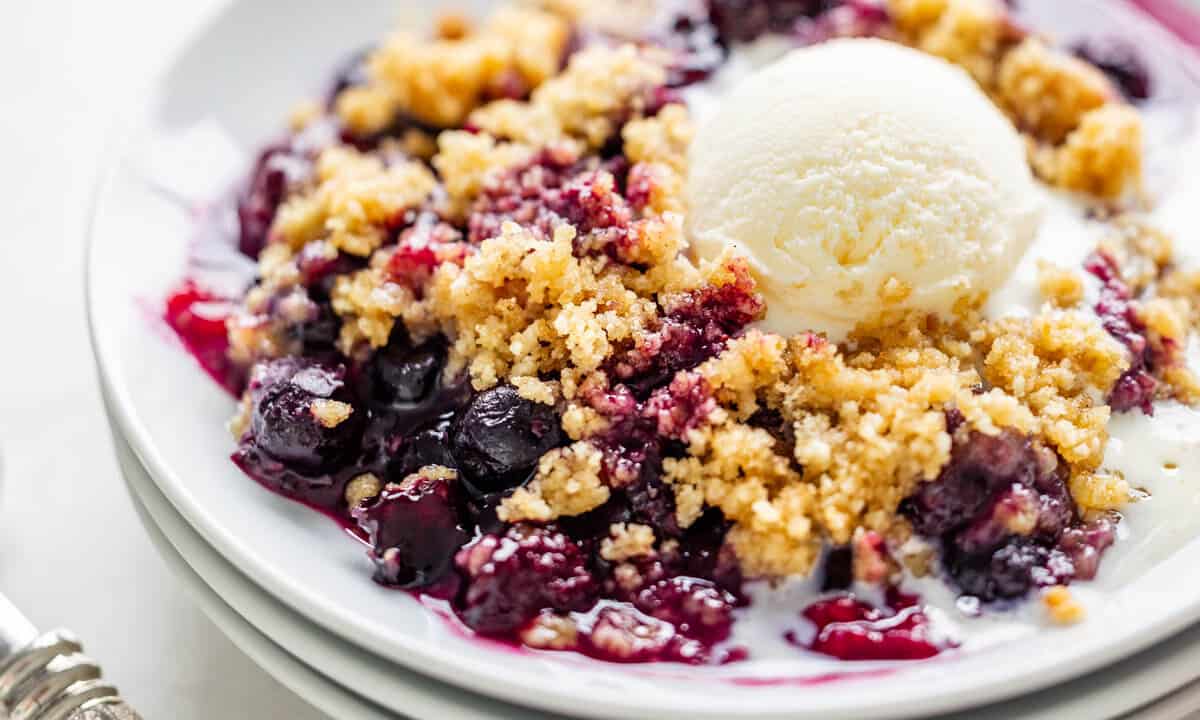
point(295, 594)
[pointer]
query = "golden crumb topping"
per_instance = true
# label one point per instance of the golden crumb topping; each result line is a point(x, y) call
point(362, 487)
point(626, 541)
point(1082, 136)
point(524, 305)
point(1049, 92)
point(567, 483)
point(356, 197)
point(330, 413)
point(1061, 286)
point(968, 33)
point(1062, 607)
point(440, 81)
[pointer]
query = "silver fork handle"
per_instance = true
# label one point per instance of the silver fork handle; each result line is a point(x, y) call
point(51, 679)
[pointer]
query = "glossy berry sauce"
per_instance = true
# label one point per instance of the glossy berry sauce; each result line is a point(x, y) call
point(850, 629)
point(198, 318)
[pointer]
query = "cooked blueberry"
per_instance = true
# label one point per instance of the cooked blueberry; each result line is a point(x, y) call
point(1005, 519)
point(414, 528)
point(286, 425)
point(499, 438)
point(300, 415)
point(1085, 544)
point(839, 569)
point(399, 374)
point(978, 468)
point(651, 501)
point(1118, 59)
point(510, 578)
point(430, 446)
point(320, 333)
point(747, 20)
point(277, 169)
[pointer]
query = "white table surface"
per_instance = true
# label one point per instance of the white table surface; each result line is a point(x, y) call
point(71, 549)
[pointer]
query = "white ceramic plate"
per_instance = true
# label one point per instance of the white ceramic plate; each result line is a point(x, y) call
point(246, 612)
point(223, 94)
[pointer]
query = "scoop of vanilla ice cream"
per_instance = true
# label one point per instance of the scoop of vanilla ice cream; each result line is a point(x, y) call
point(859, 177)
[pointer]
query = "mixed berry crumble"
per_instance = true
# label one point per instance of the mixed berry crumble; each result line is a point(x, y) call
point(478, 336)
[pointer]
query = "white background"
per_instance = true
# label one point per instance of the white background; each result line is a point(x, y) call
point(72, 552)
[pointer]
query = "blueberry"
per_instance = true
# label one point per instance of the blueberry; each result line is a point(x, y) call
point(415, 529)
point(839, 569)
point(430, 446)
point(747, 20)
point(285, 426)
point(500, 437)
point(278, 168)
point(318, 335)
point(1120, 61)
point(399, 374)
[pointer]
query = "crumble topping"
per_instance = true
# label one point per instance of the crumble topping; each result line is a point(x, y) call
point(331, 413)
point(362, 487)
point(1101, 157)
point(968, 33)
point(440, 81)
point(1061, 286)
point(356, 198)
point(369, 303)
point(1050, 92)
point(568, 482)
point(585, 103)
point(1062, 607)
point(1082, 136)
point(627, 540)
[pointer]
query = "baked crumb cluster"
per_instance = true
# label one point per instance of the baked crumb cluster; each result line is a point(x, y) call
point(1082, 136)
point(484, 261)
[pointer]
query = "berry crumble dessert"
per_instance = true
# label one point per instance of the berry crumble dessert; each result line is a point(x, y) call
point(610, 324)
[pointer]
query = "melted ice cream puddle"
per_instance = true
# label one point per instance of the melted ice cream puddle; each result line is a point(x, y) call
point(1160, 455)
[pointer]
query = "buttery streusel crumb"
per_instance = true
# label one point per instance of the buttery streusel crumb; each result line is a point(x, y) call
point(567, 483)
point(583, 104)
point(626, 541)
point(1099, 491)
point(1103, 155)
point(331, 413)
point(362, 487)
point(441, 81)
point(1049, 92)
point(968, 33)
point(1062, 607)
point(551, 632)
point(1059, 285)
point(356, 197)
